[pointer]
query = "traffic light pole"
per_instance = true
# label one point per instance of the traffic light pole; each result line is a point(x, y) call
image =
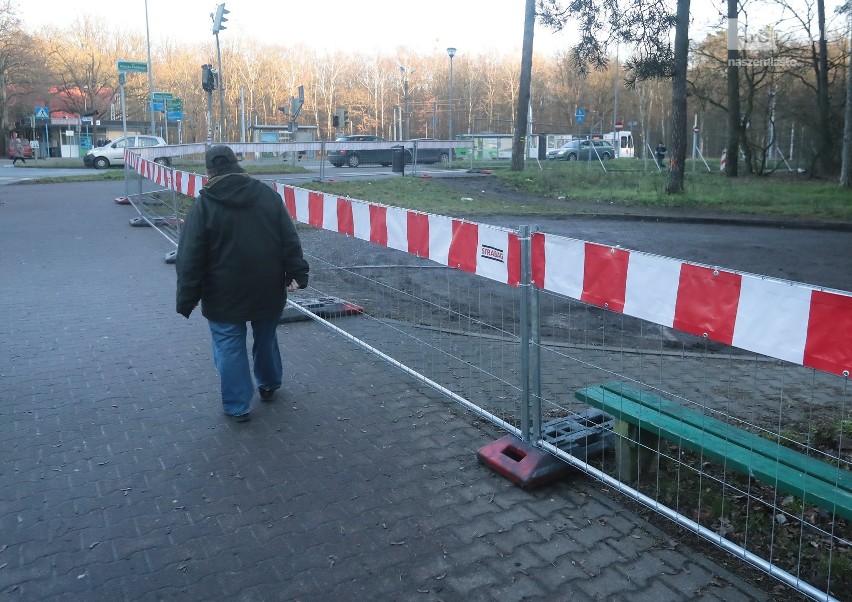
point(209, 118)
point(221, 89)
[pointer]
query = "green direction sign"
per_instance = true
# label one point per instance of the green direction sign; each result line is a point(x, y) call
point(132, 67)
point(174, 104)
point(163, 96)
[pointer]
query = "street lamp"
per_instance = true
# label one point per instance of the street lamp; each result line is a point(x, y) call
point(86, 108)
point(405, 133)
point(452, 53)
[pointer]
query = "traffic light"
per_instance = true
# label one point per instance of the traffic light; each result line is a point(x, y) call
point(208, 78)
point(345, 118)
point(219, 18)
point(335, 121)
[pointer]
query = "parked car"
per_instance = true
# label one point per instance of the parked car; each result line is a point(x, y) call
point(431, 155)
point(113, 153)
point(364, 156)
point(583, 150)
point(28, 152)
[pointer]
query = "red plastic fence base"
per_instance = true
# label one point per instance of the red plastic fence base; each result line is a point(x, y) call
point(524, 465)
point(324, 307)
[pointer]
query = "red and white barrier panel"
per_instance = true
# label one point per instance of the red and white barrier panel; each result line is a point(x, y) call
point(484, 250)
point(776, 318)
point(184, 182)
point(780, 319)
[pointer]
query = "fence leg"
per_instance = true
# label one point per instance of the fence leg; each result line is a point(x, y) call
point(322, 162)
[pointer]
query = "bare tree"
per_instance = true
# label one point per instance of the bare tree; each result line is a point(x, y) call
point(19, 68)
point(732, 148)
point(522, 111)
point(825, 157)
point(681, 51)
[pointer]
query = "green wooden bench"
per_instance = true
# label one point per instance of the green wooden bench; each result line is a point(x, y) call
point(642, 416)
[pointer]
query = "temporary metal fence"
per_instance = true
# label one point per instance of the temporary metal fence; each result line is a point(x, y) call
point(528, 330)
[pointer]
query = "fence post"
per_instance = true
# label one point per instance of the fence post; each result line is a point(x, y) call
point(526, 272)
point(535, 359)
point(175, 202)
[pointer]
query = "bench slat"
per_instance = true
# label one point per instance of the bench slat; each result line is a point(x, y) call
point(784, 478)
point(815, 467)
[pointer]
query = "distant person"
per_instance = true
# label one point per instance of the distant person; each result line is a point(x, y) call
point(239, 255)
point(18, 150)
point(660, 154)
point(34, 146)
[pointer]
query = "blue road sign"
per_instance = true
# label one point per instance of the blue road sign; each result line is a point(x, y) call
point(174, 115)
point(42, 113)
point(580, 117)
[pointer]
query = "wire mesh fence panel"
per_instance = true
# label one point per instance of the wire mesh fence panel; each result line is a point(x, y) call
point(751, 446)
point(458, 329)
point(162, 190)
point(718, 399)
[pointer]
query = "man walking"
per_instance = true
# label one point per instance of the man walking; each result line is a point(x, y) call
point(239, 254)
point(660, 153)
point(18, 148)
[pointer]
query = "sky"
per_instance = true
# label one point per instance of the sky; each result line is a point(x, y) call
point(383, 26)
point(365, 25)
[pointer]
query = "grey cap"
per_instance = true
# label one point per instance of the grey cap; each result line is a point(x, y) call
point(219, 157)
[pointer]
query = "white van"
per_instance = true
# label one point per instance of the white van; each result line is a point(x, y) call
point(622, 142)
point(113, 152)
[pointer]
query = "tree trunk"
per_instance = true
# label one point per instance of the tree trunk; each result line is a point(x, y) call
point(846, 165)
point(825, 160)
point(732, 152)
point(681, 54)
point(519, 137)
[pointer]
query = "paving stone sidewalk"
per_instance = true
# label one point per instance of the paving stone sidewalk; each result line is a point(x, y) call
point(121, 480)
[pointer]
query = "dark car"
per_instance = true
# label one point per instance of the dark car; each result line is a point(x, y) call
point(383, 155)
point(583, 150)
point(425, 154)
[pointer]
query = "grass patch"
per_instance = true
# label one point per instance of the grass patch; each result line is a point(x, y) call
point(782, 194)
point(428, 195)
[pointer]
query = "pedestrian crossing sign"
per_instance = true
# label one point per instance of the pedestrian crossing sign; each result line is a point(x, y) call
point(42, 113)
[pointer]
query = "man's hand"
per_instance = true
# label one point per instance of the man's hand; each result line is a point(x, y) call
point(292, 286)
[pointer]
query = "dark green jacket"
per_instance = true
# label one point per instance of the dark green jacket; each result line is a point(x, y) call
point(238, 252)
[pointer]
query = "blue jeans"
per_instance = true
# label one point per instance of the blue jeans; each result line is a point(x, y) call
point(231, 358)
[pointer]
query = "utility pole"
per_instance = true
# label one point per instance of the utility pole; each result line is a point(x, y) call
point(150, 75)
point(406, 127)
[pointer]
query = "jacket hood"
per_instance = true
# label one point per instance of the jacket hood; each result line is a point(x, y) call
point(231, 190)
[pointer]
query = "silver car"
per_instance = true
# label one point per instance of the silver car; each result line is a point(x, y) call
point(583, 150)
point(112, 153)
